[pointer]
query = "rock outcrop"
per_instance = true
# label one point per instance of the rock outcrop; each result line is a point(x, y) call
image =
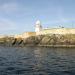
point(41, 40)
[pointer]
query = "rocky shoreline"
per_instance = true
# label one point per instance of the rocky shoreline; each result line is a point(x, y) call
point(54, 40)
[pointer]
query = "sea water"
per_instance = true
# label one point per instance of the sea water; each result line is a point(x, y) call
point(37, 61)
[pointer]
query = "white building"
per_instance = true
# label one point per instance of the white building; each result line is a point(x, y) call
point(47, 31)
point(40, 31)
point(38, 26)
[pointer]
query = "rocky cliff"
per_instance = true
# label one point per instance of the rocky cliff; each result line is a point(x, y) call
point(54, 40)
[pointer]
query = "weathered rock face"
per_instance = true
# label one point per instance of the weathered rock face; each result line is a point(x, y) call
point(6, 41)
point(41, 40)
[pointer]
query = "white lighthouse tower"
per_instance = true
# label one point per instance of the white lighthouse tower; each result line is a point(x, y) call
point(38, 27)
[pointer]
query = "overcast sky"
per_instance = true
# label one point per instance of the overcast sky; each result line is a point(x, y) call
point(17, 16)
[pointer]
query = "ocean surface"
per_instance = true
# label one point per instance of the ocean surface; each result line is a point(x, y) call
point(37, 61)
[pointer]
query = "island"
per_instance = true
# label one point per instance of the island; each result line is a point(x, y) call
point(46, 37)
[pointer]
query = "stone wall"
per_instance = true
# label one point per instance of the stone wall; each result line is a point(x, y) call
point(25, 35)
point(57, 31)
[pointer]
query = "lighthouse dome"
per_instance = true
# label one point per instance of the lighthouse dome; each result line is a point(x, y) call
point(38, 22)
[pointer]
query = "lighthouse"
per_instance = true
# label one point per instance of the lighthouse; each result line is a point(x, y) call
point(38, 26)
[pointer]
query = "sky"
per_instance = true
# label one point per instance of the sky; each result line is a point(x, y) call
point(18, 16)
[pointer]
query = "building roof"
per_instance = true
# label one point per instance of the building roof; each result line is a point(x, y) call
point(38, 22)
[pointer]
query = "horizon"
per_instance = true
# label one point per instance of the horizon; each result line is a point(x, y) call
point(20, 16)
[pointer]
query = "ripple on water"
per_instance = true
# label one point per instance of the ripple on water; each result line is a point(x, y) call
point(37, 61)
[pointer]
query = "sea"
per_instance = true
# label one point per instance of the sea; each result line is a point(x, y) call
point(37, 61)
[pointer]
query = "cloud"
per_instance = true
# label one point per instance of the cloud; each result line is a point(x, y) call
point(15, 8)
point(9, 7)
point(6, 24)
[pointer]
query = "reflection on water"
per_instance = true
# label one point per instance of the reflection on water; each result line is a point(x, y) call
point(37, 61)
